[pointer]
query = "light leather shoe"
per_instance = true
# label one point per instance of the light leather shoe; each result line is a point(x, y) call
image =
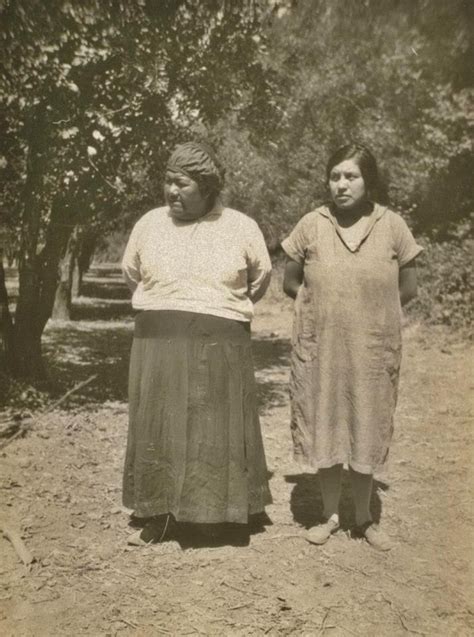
point(374, 535)
point(320, 534)
point(135, 539)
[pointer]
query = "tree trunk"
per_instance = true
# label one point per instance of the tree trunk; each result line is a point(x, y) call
point(40, 294)
point(86, 252)
point(38, 287)
point(6, 326)
point(63, 297)
point(27, 329)
point(76, 287)
point(60, 230)
point(74, 263)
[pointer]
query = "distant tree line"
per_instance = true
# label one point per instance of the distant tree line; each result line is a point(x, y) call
point(94, 94)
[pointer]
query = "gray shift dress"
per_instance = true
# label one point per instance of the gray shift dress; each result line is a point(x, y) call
point(346, 344)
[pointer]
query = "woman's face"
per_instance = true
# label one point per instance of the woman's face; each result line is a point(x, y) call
point(184, 197)
point(347, 186)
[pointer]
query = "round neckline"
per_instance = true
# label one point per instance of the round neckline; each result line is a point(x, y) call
point(215, 210)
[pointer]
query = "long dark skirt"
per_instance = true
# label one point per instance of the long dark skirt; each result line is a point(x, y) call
point(194, 441)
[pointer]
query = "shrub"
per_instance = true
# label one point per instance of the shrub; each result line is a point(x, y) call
point(445, 283)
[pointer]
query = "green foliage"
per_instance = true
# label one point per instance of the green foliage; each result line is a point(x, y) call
point(111, 247)
point(392, 75)
point(94, 94)
point(92, 97)
point(445, 283)
point(111, 86)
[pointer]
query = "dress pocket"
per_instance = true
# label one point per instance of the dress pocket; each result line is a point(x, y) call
point(392, 359)
point(304, 338)
point(305, 346)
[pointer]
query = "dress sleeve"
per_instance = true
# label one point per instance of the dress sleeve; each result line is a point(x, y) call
point(296, 243)
point(131, 261)
point(259, 265)
point(406, 248)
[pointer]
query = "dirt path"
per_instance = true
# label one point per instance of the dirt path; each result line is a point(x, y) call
point(61, 486)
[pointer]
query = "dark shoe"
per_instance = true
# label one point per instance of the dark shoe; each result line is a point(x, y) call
point(155, 530)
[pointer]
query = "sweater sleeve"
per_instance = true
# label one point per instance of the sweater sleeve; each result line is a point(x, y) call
point(259, 266)
point(131, 260)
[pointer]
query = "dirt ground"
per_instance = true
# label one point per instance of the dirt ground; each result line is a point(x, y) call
point(60, 486)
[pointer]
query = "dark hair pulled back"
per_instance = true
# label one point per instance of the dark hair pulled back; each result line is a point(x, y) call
point(366, 162)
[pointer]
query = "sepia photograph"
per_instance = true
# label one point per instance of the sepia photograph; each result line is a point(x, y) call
point(236, 302)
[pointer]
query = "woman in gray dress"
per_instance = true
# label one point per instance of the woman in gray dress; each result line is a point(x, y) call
point(350, 267)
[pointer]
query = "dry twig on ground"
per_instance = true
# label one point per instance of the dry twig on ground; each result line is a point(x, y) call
point(20, 548)
point(24, 427)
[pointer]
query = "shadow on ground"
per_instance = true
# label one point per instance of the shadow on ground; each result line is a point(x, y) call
point(75, 352)
point(270, 353)
point(104, 298)
point(307, 506)
point(106, 288)
point(193, 536)
point(97, 343)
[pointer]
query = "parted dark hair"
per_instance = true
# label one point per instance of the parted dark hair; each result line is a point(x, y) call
point(365, 160)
